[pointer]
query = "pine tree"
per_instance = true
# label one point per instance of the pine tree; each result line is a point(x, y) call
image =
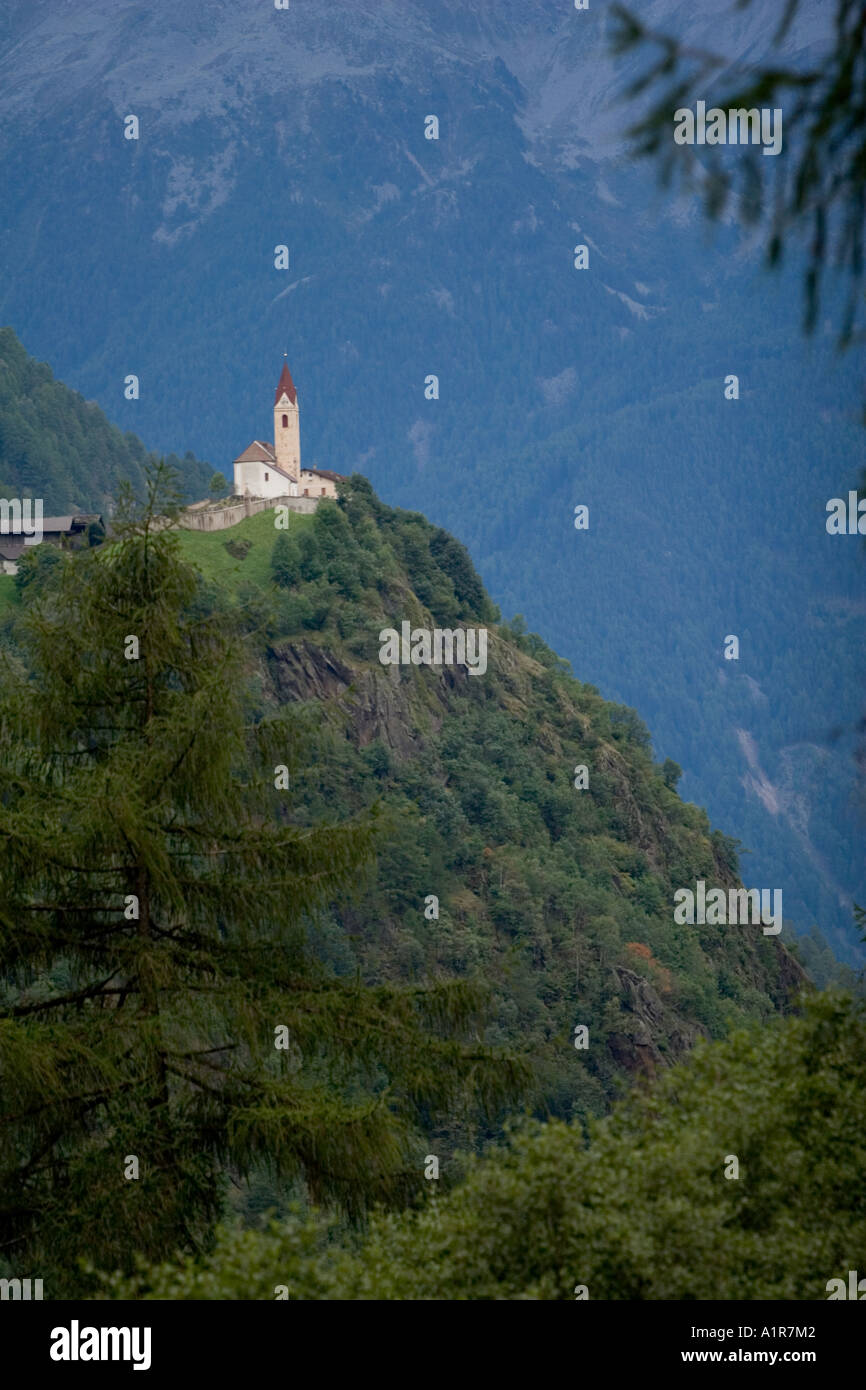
point(285, 561)
point(162, 1020)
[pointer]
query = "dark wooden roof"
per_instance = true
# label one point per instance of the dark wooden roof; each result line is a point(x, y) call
point(286, 384)
point(325, 473)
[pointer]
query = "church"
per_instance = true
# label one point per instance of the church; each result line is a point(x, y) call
point(274, 470)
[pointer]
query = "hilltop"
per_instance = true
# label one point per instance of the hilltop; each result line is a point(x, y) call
point(559, 896)
point(561, 899)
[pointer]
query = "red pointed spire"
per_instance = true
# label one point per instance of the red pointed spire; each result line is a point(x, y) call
point(286, 384)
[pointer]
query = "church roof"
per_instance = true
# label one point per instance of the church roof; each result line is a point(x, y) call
point(286, 384)
point(257, 452)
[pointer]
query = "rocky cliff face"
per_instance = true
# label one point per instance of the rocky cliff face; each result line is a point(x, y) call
point(494, 902)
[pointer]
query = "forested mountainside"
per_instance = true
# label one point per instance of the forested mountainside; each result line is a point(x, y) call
point(559, 898)
point(409, 257)
point(61, 448)
point(528, 851)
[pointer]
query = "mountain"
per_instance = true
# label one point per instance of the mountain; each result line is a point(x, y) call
point(454, 257)
point(560, 899)
point(57, 446)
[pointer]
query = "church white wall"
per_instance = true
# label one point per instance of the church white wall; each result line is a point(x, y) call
point(251, 480)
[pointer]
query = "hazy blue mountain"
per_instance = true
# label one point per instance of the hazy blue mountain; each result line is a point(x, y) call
point(455, 257)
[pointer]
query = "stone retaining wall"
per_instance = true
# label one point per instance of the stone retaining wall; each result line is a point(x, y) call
point(219, 518)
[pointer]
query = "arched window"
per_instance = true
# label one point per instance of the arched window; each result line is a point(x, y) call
point(267, 476)
point(285, 422)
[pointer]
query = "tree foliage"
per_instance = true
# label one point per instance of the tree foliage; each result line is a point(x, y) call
point(543, 889)
point(648, 1209)
point(819, 190)
point(157, 892)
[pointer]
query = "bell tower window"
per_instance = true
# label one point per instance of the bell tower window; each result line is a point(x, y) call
point(285, 422)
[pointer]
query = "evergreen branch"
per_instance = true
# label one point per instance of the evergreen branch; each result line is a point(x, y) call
point(58, 1001)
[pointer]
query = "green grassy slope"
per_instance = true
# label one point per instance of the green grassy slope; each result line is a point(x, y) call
point(208, 551)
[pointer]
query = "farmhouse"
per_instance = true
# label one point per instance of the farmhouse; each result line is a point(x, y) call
point(67, 531)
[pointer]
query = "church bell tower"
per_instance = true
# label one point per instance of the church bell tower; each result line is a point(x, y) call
point(287, 429)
